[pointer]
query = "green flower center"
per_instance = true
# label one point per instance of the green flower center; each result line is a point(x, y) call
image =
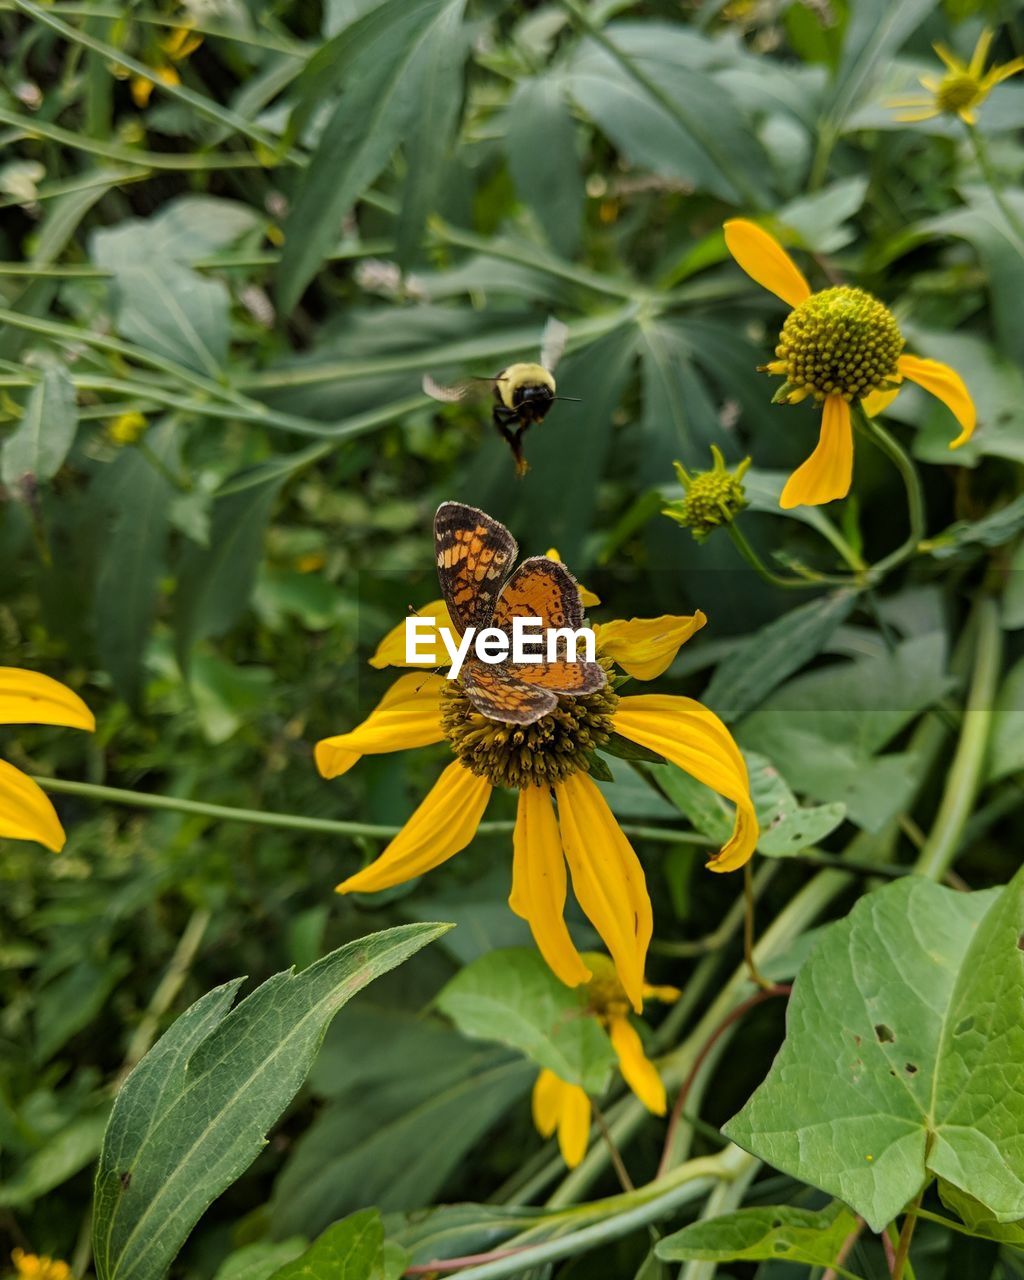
point(957, 91)
point(513, 755)
point(713, 498)
point(840, 341)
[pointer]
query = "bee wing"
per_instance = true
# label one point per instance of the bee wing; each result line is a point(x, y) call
point(464, 389)
point(552, 343)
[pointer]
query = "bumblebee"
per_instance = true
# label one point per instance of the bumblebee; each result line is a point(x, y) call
point(523, 393)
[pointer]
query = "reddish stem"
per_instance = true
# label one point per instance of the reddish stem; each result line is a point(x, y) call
point(759, 997)
point(467, 1260)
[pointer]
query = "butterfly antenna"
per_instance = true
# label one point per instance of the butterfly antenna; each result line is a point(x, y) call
point(574, 399)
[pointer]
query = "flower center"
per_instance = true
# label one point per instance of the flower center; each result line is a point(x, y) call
point(539, 754)
point(606, 996)
point(957, 91)
point(840, 341)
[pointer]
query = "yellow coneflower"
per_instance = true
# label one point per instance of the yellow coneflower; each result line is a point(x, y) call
point(26, 697)
point(841, 346)
point(30, 1266)
point(559, 1105)
point(963, 88)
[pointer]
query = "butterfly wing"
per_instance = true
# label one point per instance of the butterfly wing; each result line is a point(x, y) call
point(474, 556)
point(497, 692)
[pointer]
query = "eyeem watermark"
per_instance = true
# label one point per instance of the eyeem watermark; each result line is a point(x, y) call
point(530, 641)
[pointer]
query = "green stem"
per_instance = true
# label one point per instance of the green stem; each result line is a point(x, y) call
point(891, 447)
point(813, 581)
point(900, 1263)
point(965, 773)
point(994, 184)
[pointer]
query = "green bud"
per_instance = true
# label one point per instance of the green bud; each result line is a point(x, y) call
point(712, 498)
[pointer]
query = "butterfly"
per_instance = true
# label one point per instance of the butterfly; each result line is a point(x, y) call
point(475, 555)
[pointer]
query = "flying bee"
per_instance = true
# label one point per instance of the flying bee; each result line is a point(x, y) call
point(523, 393)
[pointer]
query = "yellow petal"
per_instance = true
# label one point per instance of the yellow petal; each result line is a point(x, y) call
point(980, 55)
point(946, 385)
point(694, 738)
point(876, 402)
point(637, 1069)
point(391, 650)
point(828, 472)
point(573, 1124)
point(949, 58)
point(142, 90)
point(645, 647)
point(409, 715)
point(25, 810)
point(545, 1102)
point(26, 697)
point(607, 878)
point(998, 74)
point(765, 261)
point(587, 598)
point(445, 822)
point(539, 884)
point(667, 995)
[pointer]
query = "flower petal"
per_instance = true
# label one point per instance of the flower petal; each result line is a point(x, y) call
point(539, 884)
point(409, 715)
point(765, 261)
point(607, 878)
point(645, 647)
point(694, 738)
point(573, 1124)
point(876, 402)
point(637, 1070)
point(916, 115)
point(946, 385)
point(587, 598)
point(445, 822)
point(667, 995)
point(545, 1102)
point(980, 55)
point(828, 472)
point(25, 810)
point(27, 697)
point(391, 650)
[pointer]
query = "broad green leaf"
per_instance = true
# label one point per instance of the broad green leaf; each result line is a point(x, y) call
point(680, 418)
point(137, 496)
point(540, 141)
point(216, 582)
point(63, 1155)
point(1006, 738)
point(755, 668)
point(514, 998)
point(194, 1114)
point(992, 530)
point(259, 1261)
point(902, 1034)
point(352, 1249)
point(36, 448)
point(978, 1218)
point(876, 30)
point(775, 1233)
point(821, 220)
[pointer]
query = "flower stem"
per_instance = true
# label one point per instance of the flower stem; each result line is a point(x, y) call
point(911, 482)
point(964, 775)
point(994, 184)
point(748, 931)
point(812, 581)
point(900, 1264)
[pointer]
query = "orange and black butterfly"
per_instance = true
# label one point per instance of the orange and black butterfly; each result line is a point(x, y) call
point(475, 555)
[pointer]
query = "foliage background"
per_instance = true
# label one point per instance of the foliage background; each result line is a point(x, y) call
point(262, 260)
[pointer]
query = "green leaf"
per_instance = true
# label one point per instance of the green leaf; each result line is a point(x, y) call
point(259, 1261)
point(138, 498)
point(876, 30)
point(63, 1155)
point(775, 1233)
point(977, 1218)
point(514, 998)
point(194, 1113)
point(540, 141)
point(992, 530)
point(1006, 739)
point(745, 678)
point(37, 447)
point(216, 582)
point(903, 1032)
point(352, 1249)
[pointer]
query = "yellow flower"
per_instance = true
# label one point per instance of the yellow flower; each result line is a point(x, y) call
point(961, 91)
point(710, 498)
point(127, 428)
point(176, 46)
point(556, 1104)
point(26, 697)
point(547, 763)
point(838, 345)
point(29, 1266)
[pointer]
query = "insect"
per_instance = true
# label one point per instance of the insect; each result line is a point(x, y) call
point(475, 555)
point(523, 393)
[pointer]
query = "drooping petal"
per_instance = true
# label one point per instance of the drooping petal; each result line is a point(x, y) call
point(445, 822)
point(392, 649)
point(409, 715)
point(694, 738)
point(765, 261)
point(828, 472)
point(645, 647)
point(27, 697)
point(667, 995)
point(587, 598)
point(565, 1107)
point(916, 115)
point(545, 1102)
point(946, 385)
point(637, 1069)
point(607, 878)
point(539, 884)
point(25, 810)
point(876, 402)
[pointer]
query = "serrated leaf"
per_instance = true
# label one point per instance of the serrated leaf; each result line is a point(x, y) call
point(540, 140)
point(37, 447)
point(352, 1249)
point(903, 1032)
point(194, 1114)
point(512, 997)
point(775, 1233)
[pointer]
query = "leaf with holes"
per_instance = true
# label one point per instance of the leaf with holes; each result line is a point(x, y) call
point(901, 1060)
point(774, 1233)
